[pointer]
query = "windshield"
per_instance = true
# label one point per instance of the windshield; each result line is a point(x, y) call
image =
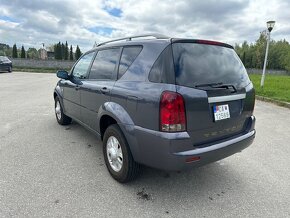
point(197, 64)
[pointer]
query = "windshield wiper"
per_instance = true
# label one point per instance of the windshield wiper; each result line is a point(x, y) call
point(219, 85)
point(208, 84)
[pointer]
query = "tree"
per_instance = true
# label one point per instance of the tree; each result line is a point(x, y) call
point(66, 51)
point(253, 55)
point(244, 58)
point(5, 50)
point(57, 51)
point(287, 58)
point(62, 51)
point(78, 53)
point(260, 51)
point(32, 53)
point(14, 51)
point(71, 56)
point(22, 52)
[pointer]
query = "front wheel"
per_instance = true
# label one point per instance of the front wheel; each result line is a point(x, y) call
point(117, 155)
point(61, 118)
point(10, 69)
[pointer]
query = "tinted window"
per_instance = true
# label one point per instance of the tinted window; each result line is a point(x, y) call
point(129, 54)
point(201, 64)
point(81, 68)
point(163, 68)
point(104, 64)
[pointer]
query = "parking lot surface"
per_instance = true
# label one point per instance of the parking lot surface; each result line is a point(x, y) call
point(48, 170)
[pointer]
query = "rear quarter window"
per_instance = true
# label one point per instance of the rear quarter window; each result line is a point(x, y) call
point(129, 54)
point(196, 64)
point(163, 69)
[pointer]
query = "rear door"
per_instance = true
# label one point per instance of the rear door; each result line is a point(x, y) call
point(218, 94)
point(96, 90)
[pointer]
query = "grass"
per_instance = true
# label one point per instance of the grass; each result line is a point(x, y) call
point(37, 70)
point(276, 86)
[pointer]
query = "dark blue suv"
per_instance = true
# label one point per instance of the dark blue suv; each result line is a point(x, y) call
point(162, 102)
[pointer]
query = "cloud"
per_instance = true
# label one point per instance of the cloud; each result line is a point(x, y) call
point(83, 23)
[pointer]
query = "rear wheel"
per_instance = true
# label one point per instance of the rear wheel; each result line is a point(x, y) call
point(117, 155)
point(61, 118)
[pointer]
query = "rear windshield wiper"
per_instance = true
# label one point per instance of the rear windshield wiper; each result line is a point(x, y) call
point(208, 84)
point(219, 85)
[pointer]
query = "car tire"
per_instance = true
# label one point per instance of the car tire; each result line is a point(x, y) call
point(117, 152)
point(61, 118)
point(10, 70)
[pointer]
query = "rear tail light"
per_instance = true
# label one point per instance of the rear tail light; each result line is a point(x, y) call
point(172, 112)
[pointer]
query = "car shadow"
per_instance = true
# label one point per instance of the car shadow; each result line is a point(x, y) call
point(208, 182)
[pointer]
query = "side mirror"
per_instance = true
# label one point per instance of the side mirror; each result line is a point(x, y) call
point(62, 74)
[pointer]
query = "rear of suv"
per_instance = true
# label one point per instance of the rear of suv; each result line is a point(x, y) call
point(162, 102)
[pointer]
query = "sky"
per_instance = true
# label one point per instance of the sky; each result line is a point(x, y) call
point(33, 22)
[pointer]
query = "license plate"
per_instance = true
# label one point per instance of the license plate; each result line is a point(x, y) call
point(221, 112)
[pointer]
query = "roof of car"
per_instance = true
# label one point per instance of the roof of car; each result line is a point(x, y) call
point(153, 37)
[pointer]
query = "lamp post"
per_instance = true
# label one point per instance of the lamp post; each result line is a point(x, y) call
point(270, 26)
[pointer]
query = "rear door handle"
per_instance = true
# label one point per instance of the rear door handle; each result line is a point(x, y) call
point(104, 90)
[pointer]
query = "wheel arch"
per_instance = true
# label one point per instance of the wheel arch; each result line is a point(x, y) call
point(57, 93)
point(113, 113)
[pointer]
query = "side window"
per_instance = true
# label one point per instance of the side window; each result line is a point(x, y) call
point(163, 69)
point(81, 68)
point(104, 64)
point(129, 54)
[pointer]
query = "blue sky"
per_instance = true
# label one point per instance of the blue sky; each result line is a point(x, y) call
point(116, 12)
point(101, 30)
point(32, 22)
point(8, 19)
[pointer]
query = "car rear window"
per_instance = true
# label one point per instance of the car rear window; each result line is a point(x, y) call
point(197, 64)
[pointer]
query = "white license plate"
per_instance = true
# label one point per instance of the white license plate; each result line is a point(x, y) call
point(221, 112)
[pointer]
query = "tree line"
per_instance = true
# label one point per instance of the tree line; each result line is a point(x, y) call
point(61, 51)
point(253, 55)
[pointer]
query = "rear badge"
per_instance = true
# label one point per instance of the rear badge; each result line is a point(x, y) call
point(221, 112)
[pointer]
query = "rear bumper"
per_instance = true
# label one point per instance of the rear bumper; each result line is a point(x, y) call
point(217, 151)
point(167, 151)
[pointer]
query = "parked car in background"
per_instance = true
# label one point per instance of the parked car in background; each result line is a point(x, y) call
point(5, 64)
point(162, 102)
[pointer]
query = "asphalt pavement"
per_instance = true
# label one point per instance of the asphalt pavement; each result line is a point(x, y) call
point(48, 170)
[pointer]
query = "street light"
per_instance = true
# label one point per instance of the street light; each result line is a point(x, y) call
point(270, 26)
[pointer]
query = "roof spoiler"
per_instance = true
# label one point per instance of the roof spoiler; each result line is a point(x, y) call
point(201, 41)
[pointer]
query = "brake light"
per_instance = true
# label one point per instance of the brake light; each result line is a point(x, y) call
point(172, 112)
point(208, 42)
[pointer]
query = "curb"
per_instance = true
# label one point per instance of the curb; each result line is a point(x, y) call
point(277, 102)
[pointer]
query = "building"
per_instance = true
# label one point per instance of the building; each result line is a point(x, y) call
point(42, 54)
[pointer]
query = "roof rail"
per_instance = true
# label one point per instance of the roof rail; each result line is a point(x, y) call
point(129, 38)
